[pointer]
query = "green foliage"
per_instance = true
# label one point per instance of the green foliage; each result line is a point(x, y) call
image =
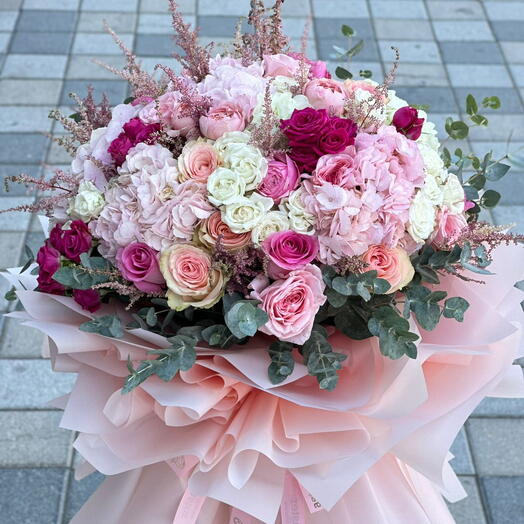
point(362, 285)
point(424, 304)
point(352, 320)
point(343, 73)
point(393, 333)
point(282, 362)
point(219, 335)
point(244, 318)
point(108, 326)
point(11, 294)
point(365, 73)
point(455, 307)
point(93, 271)
point(456, 129)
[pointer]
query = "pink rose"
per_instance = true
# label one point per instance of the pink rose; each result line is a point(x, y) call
point(407, 122)
point(291, 304)
point(317, 68)
point(281, 178)
point(449, 227)
point(174, 115)
point(139, 264)
point(71, 242)
point(284, 65)
point(325, 93)
point(214, 227)
point(222, 119)
point(391, 264)
point(197, 161)
point(338, 169)
point(89, 299)
point(191, 278)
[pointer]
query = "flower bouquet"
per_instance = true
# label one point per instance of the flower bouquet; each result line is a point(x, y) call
point(274, 288)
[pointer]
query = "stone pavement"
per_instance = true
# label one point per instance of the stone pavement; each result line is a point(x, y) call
point(448, 49)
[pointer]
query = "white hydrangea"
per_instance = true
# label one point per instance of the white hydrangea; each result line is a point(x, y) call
point(147, 158)
point(246, 213)
point(272, 222)
point(299, 219)
point(422, 214)
point(453, 194)
point(88, 202)
point(225, 186)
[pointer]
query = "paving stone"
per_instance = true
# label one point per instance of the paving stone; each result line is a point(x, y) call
point(241, 7)
point(8, 5)
point(468, 510)
point(21, 148)
point(387, 29)
point(99, 43)
point(115, 90)
point(33, 438)
point(471, 53)
point(505, 10)
point(326, 28)
point(55, 5)
point(153, 23)
point(353, 9)
point(160, 6)
point(500, 128)
point(218, 25)
point(46, 21)
point(462, 463)
point(31, 384)
point(19, 341)
point(475, 75)
point(149, 62)
point(505, 503)
point(456, 10)
point(326, 52)
point(509, 98)
point(91, 21)
point(15, 221)
point(356, 67)
point(518, 74)
point(30, 496)
point(10, 253)
point(83, 66)
point(462, 30)
point(8, 20)
point(431, 75)
point(113, 5)
point(509, 30)
point(411, 51)
point(155, 45)
point(41, 43)
point(398, 9)
point(36, 92)
point(4, 42)
point(497, 407)
point(506, 215)
point(25, 119)
point(495, 449)
point(7, 170)
point(439, 99)
point(79, 492)
point(34, 66)
point(513, 51)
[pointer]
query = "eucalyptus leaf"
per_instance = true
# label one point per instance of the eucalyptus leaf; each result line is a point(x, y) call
point(455, 307)
point(348, 31)
point(108, 326)
point(342, 73)
point(496, 171)
point(282, 361)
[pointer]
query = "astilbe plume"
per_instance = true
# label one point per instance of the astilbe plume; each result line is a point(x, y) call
point(196, 59)
point(143, 84)
point(353, 264)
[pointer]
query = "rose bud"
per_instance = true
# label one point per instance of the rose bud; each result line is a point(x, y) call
point(407, 122)
point(89, 299)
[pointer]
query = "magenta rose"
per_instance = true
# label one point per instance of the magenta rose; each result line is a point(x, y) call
point(139, 264)
point(119, 148)
point(408, 123)
point(48, 260)
point(305, 125)
point(89, 299)
point(289, 250)
point(281, 178)
point(71, 242)
point(291, 304)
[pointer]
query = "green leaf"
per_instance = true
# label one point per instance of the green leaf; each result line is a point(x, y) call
point(457, 130)
point(480, 120)
point(423, 303)
point(343, 73)
point(282, 361)
point(334, 298)
point(349, 322)
point(77, 117)
point(477, 181)
point(179, 357)
point(395, 339)
point(137, 376)
point(493, 102)
point(218, 335)
point(496, 171)
point(244, 318)
point(355, 50)
point(108, 326)
point(328, 274)
point(446, 157)
point(427, 274)
point(455, 307)
point(151, 318)
point(471, 193)
point(194, 332)
point(92, 273)
point(490, 198)
point(11, 294)
point(348, 31)
point(129, 99)
point(365, 73)
point(471, 105)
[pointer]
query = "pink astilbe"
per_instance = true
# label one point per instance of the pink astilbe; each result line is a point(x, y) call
point(143, 84)
point(196, 59)
point(97, 115)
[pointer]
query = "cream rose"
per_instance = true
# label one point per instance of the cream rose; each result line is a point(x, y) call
point(421, 217)
point(197, 161)
point(272, 222)
point(88, 202)
point(225, 187)
point(244, 214)
point(247, 161)
point(282, 103)
point(432, 162)
point(190, 277)
point(432, 190)
point(299, 219)
point(453, 194)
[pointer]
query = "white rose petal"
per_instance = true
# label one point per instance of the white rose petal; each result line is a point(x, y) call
point(88, 202)
point(282, 103)
point(299, 219)
point(245, 214)
point(422, 215)
point(225, 187)
point(272, 222)
point(433, 190)
point(247, 161)
point(453, 194)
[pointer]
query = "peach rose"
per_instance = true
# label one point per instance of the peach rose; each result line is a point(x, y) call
point(280, 65)
point(174, 115)
point(222, 119)
point(190, 277)
point(449, 227)
point(197, 161)
point(213, 227)
point(391, 264)
point(325, 93)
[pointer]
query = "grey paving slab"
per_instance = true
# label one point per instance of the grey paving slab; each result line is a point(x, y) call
point(46, 21)
point(505, 502)
point(19, 341)
point(4, 42)
point(8, 20)
point(500, 128)
point(15, 221)
point(471, 53)
point(455, 10)
point(50, 43)
point(495, 449)
point(476, 75)
point(513, 51)
point(509, 98)
point(418, 51)
point(7, 170)
point(406, 9)
point(30, 496)
point(353, 9)
point(92, 21)
point(468, 510)
point(33, 439)
point(517, 72)
point(113, 5)
point(431, 75)
point(462, 462)
point(79, 492)
point(115, 90)
point(159, 6)
point(155, 45)
point(355, 67)
point(99, 43)
point(462, 30)
point(326, 51)
point(7, 5)
point(387, 29)
point(37, 92)
point(31, 384)
point(511, 214)
point(217, 25)
point(22, 148)
point(439, 99)
point(56, 5)
point(25, 119)
point(508, 30)
point(34, 66)
point(505, 10)
point(84, 67)
point(500, 407)
point(160, 23)
point(326, 28)
point(11, 243)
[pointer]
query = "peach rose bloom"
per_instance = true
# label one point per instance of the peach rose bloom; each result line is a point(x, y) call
point(326, 93)
point(280, 65)
point(213, 227)
point(197, 161)
point(222, 119)
point(391, 264)
point(190, 277)
point(449, 227)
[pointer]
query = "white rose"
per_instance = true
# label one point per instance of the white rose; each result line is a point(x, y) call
point(299, 219)
point(272, 222)
point(432, 162)
point(433, 190)
point(282, 103)
point(283, 83)
point(429, 135)
point(232, 137)
point(225, 186)
point(393, 105)
point(244, 214)
point(453, 194)
point(422, 215)
point(247, 161)
point(88, 202)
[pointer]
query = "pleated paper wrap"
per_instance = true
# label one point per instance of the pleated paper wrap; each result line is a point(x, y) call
point(221, 444)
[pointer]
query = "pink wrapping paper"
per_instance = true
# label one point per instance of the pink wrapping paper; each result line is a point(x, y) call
point(375, 450)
